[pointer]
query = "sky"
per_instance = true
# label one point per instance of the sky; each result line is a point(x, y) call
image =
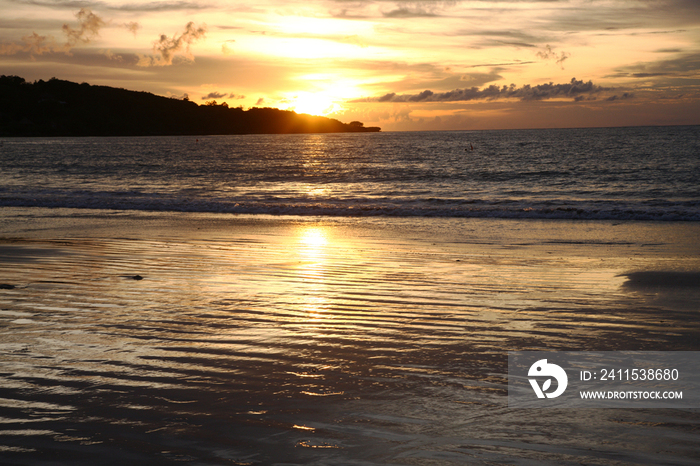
point(401, 65)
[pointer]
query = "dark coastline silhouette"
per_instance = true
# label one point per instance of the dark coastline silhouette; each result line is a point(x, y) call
point(64, 108)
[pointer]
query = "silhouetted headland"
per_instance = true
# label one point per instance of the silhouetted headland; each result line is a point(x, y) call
point(64, 108)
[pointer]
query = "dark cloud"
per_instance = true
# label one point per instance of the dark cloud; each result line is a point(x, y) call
point(399, 9)
point(220, 95)
point(408, 12)
point(344, 14)
point(511, 36)
point(160, 6)
point(413, 2)
point(624, 96)
point(642, 33)
point(133, 7)
point(573, 89)
point(512, 63)
point(438, 79)
point(627, 17)
point(648, 75)
point(438, 2)
point(70, 5)
point(683, 65)
point(213, 95)
point(550, 54)
point(511, 44)
point(491, 37)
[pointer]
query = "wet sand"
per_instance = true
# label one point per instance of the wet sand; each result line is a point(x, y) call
point(301, 340)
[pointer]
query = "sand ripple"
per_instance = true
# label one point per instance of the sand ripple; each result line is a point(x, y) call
point(315, 344)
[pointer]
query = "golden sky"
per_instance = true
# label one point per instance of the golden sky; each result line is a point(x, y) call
point(401, 65)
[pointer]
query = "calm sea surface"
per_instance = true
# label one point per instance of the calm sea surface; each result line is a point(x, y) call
point(615, 173)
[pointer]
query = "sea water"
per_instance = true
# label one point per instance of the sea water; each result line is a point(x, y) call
point(605, 174)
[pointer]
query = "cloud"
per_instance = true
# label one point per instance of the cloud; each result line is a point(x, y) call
point(501, 64)
point(130, 7)
point(573, 89)
point(407, 12)
point(161, 6)
point(624, 96)
point(112, 56)
point(132, 26)
point(626, 18)
point(486, 38)
point(34, 44)
point(683, 65)
point(89, 25)
point(343, 14)
point(166, 47)
point(396, 9)
point(70, 4)
point(260, 101)
point(213, 95)
point(219, 95)
point(549, 54)
point(225, 49)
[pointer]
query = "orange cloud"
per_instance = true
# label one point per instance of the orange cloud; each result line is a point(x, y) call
point(166, 47)
point(89, 25)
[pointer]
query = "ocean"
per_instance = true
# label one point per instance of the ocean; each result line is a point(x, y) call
point(340, 298)
point(594, 174)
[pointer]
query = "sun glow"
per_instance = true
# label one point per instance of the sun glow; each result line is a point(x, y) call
point(314, 104)
point(314, 237)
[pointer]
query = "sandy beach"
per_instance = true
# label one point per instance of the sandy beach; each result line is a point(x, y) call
point(154, 338)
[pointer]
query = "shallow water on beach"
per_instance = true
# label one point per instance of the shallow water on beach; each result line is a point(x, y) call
point(302, 340)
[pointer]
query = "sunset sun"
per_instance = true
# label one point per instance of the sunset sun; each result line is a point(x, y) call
point(313, 104)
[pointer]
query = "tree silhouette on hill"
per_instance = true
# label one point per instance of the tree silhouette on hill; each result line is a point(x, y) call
point(63, 108)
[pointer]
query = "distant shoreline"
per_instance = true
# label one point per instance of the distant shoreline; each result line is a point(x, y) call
point(64, 108)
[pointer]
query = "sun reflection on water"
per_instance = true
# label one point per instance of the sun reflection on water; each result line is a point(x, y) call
point(314, 237)
point(315, 308)
point(312, 269)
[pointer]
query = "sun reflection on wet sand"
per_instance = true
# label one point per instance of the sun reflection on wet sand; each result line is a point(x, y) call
point(318, 252)
point(314, 237)
point(336, 337)
point(313, 250)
